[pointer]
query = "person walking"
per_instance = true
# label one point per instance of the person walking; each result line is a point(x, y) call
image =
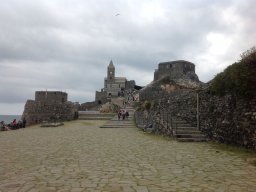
point(119, 114)
point(123, 114)
point(127, 114)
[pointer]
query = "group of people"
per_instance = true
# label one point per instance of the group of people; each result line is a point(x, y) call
point(122, 114)
point(13, 125)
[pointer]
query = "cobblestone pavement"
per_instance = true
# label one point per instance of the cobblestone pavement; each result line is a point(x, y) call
point(79, 156)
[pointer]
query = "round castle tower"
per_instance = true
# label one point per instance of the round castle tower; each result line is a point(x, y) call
point(175, 69)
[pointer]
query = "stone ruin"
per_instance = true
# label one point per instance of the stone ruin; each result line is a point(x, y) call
point(175, 70)
point(171, 76)
point(49, 106)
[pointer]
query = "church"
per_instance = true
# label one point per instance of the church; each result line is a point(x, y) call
point(114, 86)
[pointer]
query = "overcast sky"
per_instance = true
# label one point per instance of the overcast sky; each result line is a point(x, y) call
point(67, 44)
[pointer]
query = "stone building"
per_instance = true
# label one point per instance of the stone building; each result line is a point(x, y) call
point(175, 69)
point(113, 86)
point(49, 105)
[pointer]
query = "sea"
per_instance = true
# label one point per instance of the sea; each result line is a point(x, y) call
point(9, 118)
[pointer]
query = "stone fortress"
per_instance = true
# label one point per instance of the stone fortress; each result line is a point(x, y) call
point(181, 73)
point(49, 105)
point(175, 69)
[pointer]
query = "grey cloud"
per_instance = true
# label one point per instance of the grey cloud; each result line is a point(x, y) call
point(67, 45)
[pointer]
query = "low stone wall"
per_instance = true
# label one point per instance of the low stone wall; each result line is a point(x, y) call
point(37, 112)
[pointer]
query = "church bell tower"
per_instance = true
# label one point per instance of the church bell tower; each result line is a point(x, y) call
point(111, 71)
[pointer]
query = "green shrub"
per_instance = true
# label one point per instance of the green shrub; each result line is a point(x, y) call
point(238, 79)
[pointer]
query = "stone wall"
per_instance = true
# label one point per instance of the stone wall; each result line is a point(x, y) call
point(49, 106)
point(225, 119)
point(151, 93)
point(174, 69)
point(228, 119)
point(51, 96)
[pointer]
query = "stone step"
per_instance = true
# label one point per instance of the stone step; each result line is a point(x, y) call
point(116, 123)
point(94, 118)
point(122, 121)
point(185, 132)
point(186, 135)
point(191, 139)
point(126, 120)
point(182, 124)
point(186, 128)
point(188, 132)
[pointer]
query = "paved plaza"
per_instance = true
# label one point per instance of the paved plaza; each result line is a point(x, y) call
point(80, 156)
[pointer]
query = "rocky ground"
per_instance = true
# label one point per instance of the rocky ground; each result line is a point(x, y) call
point(80, 156)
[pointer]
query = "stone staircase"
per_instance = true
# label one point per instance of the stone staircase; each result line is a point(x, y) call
point(95, 115)
point(127, 123)
point(184, 132)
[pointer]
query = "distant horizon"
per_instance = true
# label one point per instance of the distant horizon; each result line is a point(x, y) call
point(10, 115)
point(9, 118)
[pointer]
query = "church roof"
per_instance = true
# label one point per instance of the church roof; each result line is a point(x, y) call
point(120, 79)
point(111, 65)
